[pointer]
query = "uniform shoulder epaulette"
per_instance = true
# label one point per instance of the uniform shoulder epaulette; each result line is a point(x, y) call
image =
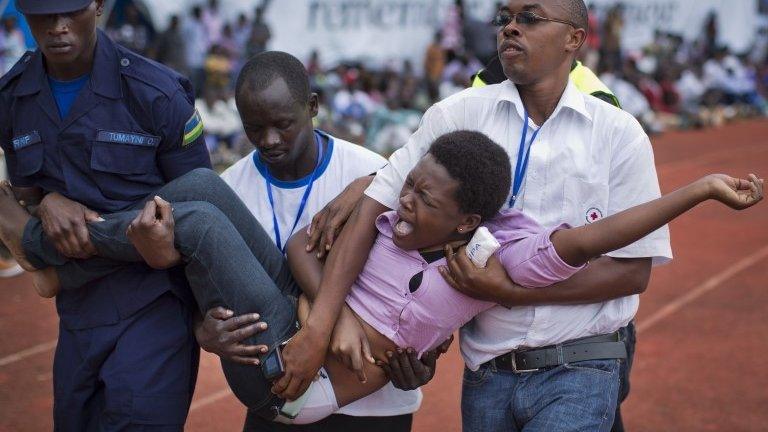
point(149, 72)
point(16, 70)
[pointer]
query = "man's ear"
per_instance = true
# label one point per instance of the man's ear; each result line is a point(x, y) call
point(469, 223)
point(575, 40)
point(314, 104)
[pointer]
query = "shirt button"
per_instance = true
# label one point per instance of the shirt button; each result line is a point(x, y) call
point(125, 62)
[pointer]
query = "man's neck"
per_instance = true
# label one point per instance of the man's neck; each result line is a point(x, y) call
point(302, 167)
point(541, 98)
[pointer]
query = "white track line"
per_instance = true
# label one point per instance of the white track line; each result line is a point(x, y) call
point(21, 355)
point(204, 401)
point(710, 284)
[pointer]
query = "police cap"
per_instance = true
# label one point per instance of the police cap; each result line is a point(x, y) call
point(45, 7)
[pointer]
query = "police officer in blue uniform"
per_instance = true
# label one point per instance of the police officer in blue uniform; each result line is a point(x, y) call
point(99, 128)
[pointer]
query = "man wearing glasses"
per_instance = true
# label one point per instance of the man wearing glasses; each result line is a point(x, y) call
point(544, 359)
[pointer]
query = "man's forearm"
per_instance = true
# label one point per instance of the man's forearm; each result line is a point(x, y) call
point(343, 265)
point(603, 279)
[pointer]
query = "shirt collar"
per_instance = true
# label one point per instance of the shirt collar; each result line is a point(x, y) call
point(105, 75)
point(572, 99)
point(385, 222)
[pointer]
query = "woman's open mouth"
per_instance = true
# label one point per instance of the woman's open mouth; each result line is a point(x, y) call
point(403, 229)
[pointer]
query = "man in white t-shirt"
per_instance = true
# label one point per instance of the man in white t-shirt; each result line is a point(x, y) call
point(293, 173)
point(546, 359)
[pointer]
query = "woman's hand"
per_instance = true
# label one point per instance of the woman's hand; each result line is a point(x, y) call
point(736, 193)
point(350, 345)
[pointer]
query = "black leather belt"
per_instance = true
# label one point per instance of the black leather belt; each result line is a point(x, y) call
point(599, 347)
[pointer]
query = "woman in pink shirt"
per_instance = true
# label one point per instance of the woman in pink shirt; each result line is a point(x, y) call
point(400, 298)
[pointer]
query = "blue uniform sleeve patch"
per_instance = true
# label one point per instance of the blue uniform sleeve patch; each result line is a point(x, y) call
point(192, 129)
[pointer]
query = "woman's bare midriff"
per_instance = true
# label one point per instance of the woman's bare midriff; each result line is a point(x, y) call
point(346, 385)
point(379, 343)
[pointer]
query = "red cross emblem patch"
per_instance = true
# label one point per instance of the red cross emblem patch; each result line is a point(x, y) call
point(593, 215)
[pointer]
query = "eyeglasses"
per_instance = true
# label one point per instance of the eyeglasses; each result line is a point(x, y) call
point(526, 18)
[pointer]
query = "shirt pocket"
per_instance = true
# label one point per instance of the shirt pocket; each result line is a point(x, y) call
point(29, 154)
point(584, 201)
point(124, 153)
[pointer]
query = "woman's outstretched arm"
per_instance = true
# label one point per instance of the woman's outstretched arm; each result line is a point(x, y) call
point(576, 246)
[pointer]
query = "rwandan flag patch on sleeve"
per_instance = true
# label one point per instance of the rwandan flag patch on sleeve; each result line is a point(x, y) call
point(193, 129)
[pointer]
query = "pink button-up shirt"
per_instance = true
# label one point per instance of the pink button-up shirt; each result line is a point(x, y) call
point(427, 317)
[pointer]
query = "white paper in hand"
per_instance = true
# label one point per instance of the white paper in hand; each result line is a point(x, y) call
point(481, 247)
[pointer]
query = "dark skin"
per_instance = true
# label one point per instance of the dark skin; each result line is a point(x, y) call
point(428, 203)
point(68, 44)
point(327, 223)
point(538, 57)
point(67, 41)
point(281, 129)
point(577, 246)
point(539, 68)
point(427, 200)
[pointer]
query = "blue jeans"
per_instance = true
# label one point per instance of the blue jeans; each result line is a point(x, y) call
point(629, 337)
point(579, 396)
point(229, 261)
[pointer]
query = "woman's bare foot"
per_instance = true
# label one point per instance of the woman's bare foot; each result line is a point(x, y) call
point(13, 218)
point(46, 282)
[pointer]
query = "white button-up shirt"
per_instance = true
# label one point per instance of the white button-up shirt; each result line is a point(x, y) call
point(589, 160)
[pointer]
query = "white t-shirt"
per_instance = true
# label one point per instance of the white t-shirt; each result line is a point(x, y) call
point(342, 163)
point(589, 160)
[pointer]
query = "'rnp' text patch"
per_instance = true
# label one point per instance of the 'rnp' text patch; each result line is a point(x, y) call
point(26, 140)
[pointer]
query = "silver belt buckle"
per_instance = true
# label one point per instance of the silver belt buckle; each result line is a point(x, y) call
point(514, 365)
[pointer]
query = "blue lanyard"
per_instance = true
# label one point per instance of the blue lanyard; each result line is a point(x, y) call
point(304, 198)
point(522, 160)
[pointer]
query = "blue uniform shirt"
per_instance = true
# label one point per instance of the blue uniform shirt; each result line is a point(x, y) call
point(127, 134)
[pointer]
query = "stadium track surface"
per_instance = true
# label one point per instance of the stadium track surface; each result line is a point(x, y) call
point(702, 327)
